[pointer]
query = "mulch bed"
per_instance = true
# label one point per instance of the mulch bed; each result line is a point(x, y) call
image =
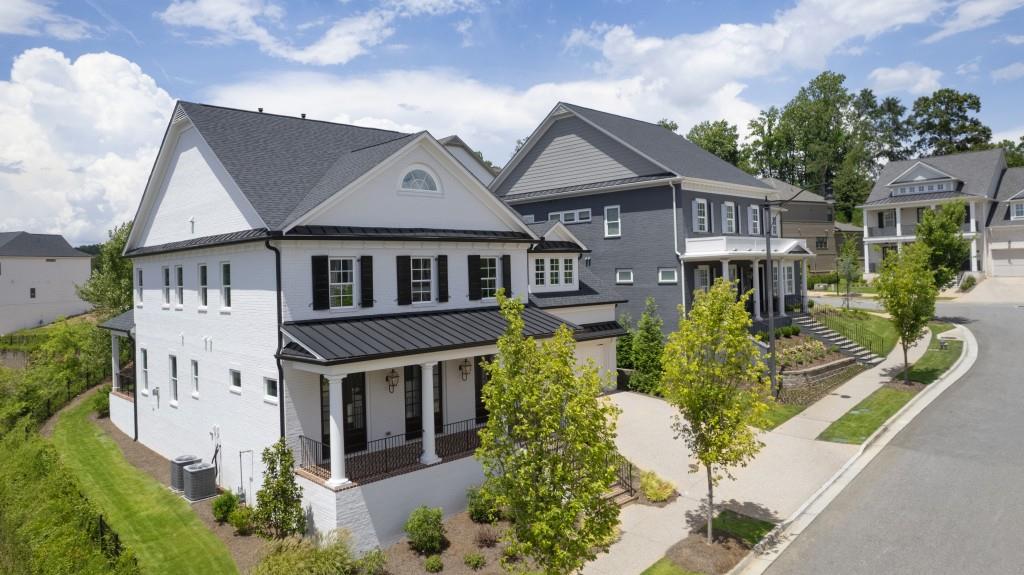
point(694, 553)
point(245, 550)
point(461, 534)
point(795, 340)
point(914, 386)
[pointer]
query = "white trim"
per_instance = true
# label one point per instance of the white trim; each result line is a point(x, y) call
point(1013, 211)
point(920, 163)
point(202, 290)
point(727, 209)
point(435, 193)
point(617, 221)
point(674, 279)
point(515, 199)
point(624, 281)
point(231, 380)
point(698, 284)
point(701, 228)
point(341, 284)
point(430, 280)
point(577, 216)
point(193, 375)
point(277, 390)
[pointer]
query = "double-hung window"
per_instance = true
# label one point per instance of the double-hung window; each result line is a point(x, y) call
point(172, 376)
point(341, 283)
point(488, 277)
point(554, 272)
point(755, 220)
point(145, 369)
point(729, 218)
point(422, 291)
point(225, 285)
point(195, 378)
point(701, 215)
point(821, 243)
point(179, 285)
point(889, 218)
point(138, 285)
point(166, 271)
point(567, 271)
point(1018, 212)
point(539, 272)
point(790, 279)
point(204, 294)
point(701, 278)
point(612, 222)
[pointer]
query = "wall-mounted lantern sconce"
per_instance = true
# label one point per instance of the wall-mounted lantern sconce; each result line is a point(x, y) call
point(465, 368)
point(392, 379)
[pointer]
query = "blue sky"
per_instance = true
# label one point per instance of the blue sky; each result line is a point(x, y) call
point(86, 87)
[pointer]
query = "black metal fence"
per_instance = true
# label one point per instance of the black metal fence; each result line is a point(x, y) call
point(847, 324)
point(108, 539)
point(21, 342)
point(459, 438)
point(624, 473)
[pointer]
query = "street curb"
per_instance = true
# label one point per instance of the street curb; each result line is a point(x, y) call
point(758, 561)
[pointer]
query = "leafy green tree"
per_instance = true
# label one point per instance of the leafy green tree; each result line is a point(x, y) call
point(770, 148)
point(279, 502)
point(817, 118)
point(892, 131)
point(947, 248)
point(848, 265)
point(719, 137)
point(648, 342)
point(906, 288)
point(548, 447)
point(715, 377)
point(945, 123)
point(669, 125)
point(852, 183)
point(109, 287)
point(624, 344)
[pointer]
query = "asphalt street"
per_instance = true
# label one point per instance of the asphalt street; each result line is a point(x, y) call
point(947, 494)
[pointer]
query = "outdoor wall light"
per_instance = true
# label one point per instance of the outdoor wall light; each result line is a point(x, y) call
point(465, 368)
point(392, 379)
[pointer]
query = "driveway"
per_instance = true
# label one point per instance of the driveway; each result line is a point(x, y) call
point(996, 290)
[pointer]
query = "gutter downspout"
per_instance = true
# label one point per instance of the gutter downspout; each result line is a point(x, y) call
point(135, 396)
point(675, 244)
point(280, 338)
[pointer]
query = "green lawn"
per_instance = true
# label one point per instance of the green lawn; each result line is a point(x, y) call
point(666, 567)
point(860, 422)
point(159, 526)
point(935, 361)
point(779, 413)
point(869, 330)
point(747, 529)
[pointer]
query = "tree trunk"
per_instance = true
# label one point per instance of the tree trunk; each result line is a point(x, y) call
point(711, 502)
point(906, 366)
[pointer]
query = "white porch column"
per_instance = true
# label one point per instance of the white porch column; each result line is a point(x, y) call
point(757, 290)
point(974, 251)
point(115, 360)
point(899, 222)
point(337, 431)
point(803, 277)
point(974, 226)
point(867, 262)
point(725, 270)
point(429, 456)
point(782, 289)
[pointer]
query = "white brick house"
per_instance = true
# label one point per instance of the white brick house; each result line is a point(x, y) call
point(38, 276)
point(298, 279)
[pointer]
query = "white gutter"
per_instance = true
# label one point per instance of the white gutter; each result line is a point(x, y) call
point(675, 243)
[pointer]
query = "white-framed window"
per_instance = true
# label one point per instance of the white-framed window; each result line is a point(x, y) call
point(235, 379)
point(225, 285)
point(889, 218)
point(624, 276)
point(166, 272)
point(145, 368)
point(422, 285)
point(580, 216)
point(568, 268)
point(419, 180)
point(701, 278)
point(668, 275)
point(612, 222)
point(701, 215)
point(270, 388)
point(775, 225)
point(554, 271)
point(341, 283)
point(528, 218)
point(138, 284)
point(488, 277)
point(172, 376)
point(179, 285)
point(204, 284)
point(539, 272)
point(1018, 212)
point(729, 218)
point(195, 378)
point(755, 220)
point(821, 242)
point(790, 279)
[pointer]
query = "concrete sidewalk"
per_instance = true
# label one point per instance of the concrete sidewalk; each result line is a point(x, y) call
point(790, 468)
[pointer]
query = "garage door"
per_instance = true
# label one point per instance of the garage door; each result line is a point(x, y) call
point(1008, 262)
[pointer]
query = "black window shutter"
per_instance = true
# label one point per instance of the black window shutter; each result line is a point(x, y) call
point(366, 281)
point(442, 279)
point(474, 277)
point(321, 279)
point(506, 274)
point(881, 220)
point(404, 275)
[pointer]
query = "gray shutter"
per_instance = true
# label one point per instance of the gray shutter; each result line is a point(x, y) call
point(403, 273)
point(474, 277)
point(506, 274)
point(366, 281)
point(442, 279)
point(321, 282)
point(693, 216)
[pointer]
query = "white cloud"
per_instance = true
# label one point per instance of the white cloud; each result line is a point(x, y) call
point(973, 14)
point(1015, 40)
point(432, 7)
point(970, 68)
point(1011, 72)
point(88, 131)
point(1013, 134)
point(37, 18)
point(909, 77)
point(247, 20)
point(465, 29)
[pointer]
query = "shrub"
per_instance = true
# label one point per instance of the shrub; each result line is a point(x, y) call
point(810, 304)
point(101, 402)
point(482, 506)
point(425, 529)
point(279, 502)
point(624, 344)
point(433, 564)
point(613, 536)
point(223, 505)
point(828, 278)
point(474, 561)
point(242, 519)
point(654, 488)
point(295, 556)
point(648, 343)
point(373, 563)
point(486, 536)
point(968, 283)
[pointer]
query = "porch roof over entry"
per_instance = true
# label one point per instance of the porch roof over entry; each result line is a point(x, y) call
point(337, 341)
point(122, 324)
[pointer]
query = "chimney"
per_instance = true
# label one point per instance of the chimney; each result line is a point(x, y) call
point(303, 115)
point(260, 109)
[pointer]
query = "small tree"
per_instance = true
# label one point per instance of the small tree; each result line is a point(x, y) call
point(847, 266)
point(109, 287)
point(624, 343)
point(715, 377)
point(279, 502)
point(947, 247)
point(906, 288)
point(548, 448)
point(648, 342)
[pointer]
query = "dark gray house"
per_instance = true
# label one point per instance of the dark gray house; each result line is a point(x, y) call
point(661, 216)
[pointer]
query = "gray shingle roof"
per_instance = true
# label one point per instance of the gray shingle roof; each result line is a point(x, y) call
point(1011, 187)
point(787, 191)
point(25, 244)
point(362, 338)
point(124, 323)
point(667, 148)
point(286, 165)
point(979, 172)
point(592, 291)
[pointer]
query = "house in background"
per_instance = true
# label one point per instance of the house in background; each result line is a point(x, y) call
point(662, 217)
point(468, 157)
point(1005, 233)
point(38, 276)
point(811, 217)
point(335, 286)
point(906, 189)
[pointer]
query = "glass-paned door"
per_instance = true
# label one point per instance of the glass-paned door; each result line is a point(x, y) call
point(353, 409)
point(479, 379)
point(414, 401)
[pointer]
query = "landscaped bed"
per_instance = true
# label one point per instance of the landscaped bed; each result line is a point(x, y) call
point(794, 399)
point(734, 536)
point(463, 537)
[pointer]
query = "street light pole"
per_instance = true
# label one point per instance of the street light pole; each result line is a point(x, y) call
point(770, 283)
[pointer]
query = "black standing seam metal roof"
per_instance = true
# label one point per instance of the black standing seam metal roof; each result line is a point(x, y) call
point(26, 244)
point(363, 338)
point(124, 322)
point(546, 246)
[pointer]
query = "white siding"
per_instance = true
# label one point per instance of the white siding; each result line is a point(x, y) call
point(54, 283)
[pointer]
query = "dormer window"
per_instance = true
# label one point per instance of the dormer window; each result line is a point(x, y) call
point(419, 180)
point(1018, 211)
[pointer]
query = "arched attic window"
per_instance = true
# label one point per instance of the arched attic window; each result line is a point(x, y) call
point(419, 180)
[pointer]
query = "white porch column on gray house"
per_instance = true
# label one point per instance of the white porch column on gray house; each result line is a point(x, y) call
point(974, 252)
point(803, 277)
point(974, 224)
point(429, 456)
point(725, 270)
point(899, 222)
point(782, 289)
point(115, 360)
point(757, 289)
point(867, 264)
point(337, 430)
